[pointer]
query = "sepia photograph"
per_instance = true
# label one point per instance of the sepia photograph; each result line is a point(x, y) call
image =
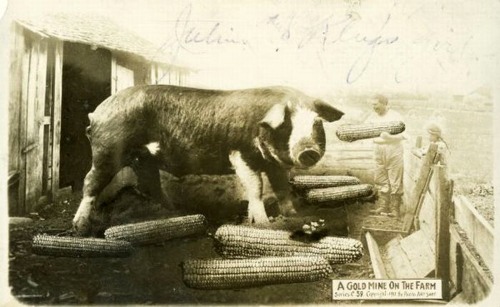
point(260, 152)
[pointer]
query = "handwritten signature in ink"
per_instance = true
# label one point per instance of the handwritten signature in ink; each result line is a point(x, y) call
point(187, 32)
point(331, 31)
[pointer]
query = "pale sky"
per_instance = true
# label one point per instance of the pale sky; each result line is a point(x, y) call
point(410, 46)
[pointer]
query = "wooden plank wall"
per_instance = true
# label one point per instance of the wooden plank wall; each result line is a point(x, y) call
point(17, 46)
point(341, 158)
point(15, 86)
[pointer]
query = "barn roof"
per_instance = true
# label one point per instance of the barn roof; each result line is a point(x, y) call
point(96, 31)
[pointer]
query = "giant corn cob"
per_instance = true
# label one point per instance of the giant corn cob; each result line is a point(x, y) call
point(338, 193)
point(159, 230)
point(353, 132)
point(311, 181)
point(239, 273)
point(234, 241)
point(80, 247)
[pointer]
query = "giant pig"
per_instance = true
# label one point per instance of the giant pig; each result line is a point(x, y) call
point(199, 131)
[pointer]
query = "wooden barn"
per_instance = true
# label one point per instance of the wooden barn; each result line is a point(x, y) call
point(61, 67)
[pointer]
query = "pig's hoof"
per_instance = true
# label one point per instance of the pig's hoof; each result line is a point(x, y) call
point(81, 227)
point(289, 212)
point(287, 209)
point(258, 218)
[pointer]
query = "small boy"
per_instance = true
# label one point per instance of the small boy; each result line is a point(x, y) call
point(435, 137)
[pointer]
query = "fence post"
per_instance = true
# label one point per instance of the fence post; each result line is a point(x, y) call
point(418, 142)
point(443, 197)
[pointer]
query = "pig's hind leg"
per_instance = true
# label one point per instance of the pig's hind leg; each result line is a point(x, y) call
point(89, 215)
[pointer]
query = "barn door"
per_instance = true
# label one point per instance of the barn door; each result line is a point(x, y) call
point(39, 127)
point(33, 125)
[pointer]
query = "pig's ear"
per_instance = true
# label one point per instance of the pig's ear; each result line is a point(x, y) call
point(326, 111)
point(275, 116)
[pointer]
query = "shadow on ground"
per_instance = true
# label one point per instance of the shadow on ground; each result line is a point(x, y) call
point(152, 275)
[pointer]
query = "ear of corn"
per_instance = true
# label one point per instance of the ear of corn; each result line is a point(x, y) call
point(80, 247)
point(353, 132)
point(236, 241)
point(311, 181)
point(157, 231)
point(338, 193)
point(239, 273)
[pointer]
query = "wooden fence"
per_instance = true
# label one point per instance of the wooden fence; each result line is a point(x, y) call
point(441, 235)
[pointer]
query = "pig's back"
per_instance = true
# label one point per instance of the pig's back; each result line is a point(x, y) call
point(196, 128)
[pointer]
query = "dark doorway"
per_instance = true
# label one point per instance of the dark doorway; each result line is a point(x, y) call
point(86, 83)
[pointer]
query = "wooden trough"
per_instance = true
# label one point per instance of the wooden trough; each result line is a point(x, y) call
point(439, 235)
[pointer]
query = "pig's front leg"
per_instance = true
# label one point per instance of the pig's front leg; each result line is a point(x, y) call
point(279, 180)
point(252, 182)
point(90, 217)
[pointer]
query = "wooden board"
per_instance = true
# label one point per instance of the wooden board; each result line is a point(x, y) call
point(58, 69)
point(354, 146)
point(35, 115)
point(48, 105)
point(23, 126)
point(421, 186)
point(478, 230)
point(15, 115)
point(114, 78)
point(443, 190)
point(124, 77)
point(40, 118)
point(426, 217)
point(375, 257)
point(399, 261)
point(416, 248)
point(15, 92)
point(410, 181)
point(412, 165)
point(475, 283)
point(355, 155)
point(350, 164)
point(153, 72)
point(456, 266)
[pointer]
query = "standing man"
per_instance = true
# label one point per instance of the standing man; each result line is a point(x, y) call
point(388, 154)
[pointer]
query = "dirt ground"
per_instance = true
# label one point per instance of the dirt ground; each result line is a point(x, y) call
point(152, 275)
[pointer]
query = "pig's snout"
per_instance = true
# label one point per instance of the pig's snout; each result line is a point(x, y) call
point(307, 154)
point(309, 157)
point(82, 227)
